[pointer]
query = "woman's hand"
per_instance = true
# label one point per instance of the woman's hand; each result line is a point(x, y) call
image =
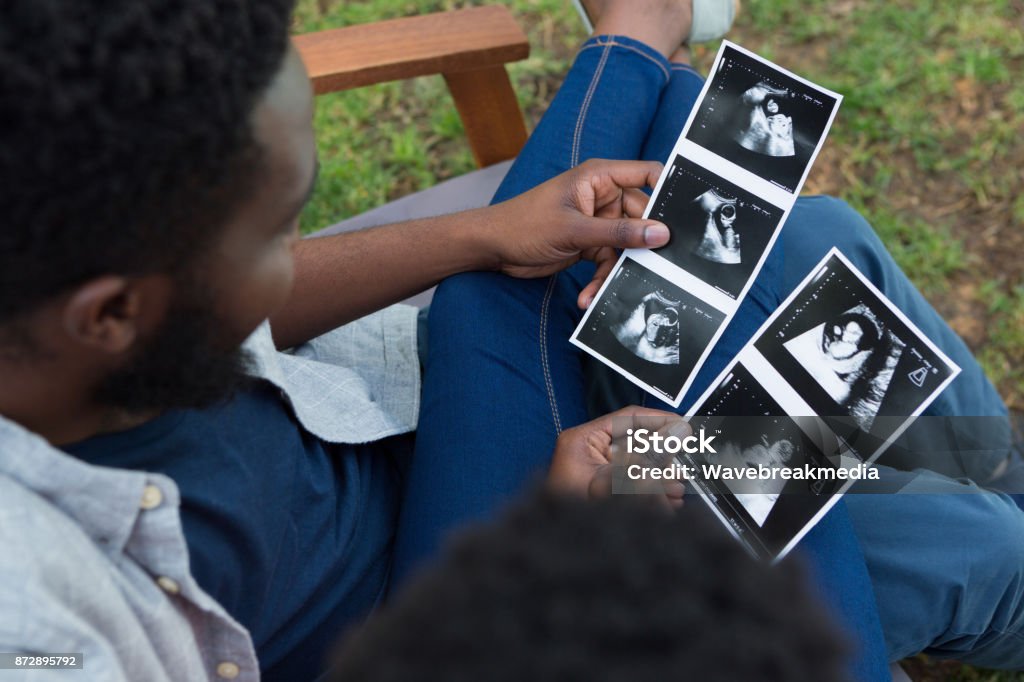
point(591, 457)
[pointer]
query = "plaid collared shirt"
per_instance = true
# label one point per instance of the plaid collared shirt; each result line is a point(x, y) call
point(93, 560)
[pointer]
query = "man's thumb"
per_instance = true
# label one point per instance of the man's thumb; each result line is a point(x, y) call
point(624, 233)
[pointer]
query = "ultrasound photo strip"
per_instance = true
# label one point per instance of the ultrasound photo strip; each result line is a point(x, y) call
point(723, 216)
point(720, 233)
point(836, 347)
point(647, 328)
point(766, 511)
point(848, 352)
point(762, 118)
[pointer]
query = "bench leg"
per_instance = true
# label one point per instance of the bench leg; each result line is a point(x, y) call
point(490, 113)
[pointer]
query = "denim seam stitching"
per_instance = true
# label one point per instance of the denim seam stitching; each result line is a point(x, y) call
point(585, 107)
point(545, 363)
point(546, 303)
point(643, 54)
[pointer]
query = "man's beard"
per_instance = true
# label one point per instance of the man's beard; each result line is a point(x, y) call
point(187, 363)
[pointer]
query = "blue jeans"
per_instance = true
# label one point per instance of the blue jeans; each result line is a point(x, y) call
point(502, 382)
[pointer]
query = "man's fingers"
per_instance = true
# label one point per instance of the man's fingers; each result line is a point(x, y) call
point(675, 490)
point(621, 233)
point(629, 202)
point(601, 484)
point(605, 259)
point(604, 184)
point(588, 294)
point(653, 421)
point(636, 417)
point(653, 455)
point(634, 202)
point(606, 175)
point(670, 493)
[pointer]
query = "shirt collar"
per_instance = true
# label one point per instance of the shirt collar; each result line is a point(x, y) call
point(104, 502)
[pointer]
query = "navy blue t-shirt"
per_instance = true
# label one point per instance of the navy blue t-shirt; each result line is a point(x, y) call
point(290, 534)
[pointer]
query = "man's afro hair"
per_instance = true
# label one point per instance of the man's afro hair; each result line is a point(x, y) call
point(125, 132)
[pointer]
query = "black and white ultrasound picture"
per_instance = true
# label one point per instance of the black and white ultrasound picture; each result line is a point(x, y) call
point(762, 119)
point(719, 231)
point(649, 327)
point(849, 355)
point(752, 432)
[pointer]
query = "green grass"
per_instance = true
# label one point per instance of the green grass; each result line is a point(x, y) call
point(928, 143)
point(385, 141)
point(1003, 356)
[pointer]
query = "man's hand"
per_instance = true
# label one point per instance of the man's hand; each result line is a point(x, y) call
point(586, 456)
point(585, 213)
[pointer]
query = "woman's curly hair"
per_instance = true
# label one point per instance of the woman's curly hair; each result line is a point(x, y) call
point(564, 589)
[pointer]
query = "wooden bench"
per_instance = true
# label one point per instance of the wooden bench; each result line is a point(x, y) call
point(469, 47)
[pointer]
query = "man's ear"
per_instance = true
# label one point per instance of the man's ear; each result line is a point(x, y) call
point(111, 313)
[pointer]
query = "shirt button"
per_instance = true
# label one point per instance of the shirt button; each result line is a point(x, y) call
point(227, 670)
point(168, 585)
point(151, 497)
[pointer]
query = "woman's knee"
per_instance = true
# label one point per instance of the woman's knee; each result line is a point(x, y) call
point(988, 624)
point(824, 222)
point(819, 223)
